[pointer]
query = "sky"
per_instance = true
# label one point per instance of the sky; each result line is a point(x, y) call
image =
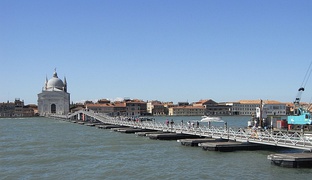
point(177, 50)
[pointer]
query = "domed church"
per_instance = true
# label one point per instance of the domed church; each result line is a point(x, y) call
point(54, 98)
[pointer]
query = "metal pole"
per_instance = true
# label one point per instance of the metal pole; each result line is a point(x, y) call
point(226, 129)
point(271, 125)
point(228, 132)
point(302, 134)
point(260, 117)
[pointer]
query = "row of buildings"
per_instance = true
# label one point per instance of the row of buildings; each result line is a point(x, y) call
point(203, 107)
point(17, 109)
point(135, 107)
point(54, 99)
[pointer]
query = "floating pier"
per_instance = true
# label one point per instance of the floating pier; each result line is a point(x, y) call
point(195, 142)
point(109, 126)
point(132, 130)
point(146, 133)
point(170, 136)
point(222, 139)
point(292, 160)
point(231, 146)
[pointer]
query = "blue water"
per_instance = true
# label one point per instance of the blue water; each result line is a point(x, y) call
point(41, 148)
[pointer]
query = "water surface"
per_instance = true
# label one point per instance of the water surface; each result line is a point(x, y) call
point(41, 148)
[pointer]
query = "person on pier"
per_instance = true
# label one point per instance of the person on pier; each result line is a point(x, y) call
point(171, 123)
point(254, 133)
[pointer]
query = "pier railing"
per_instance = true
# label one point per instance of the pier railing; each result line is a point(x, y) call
point(268, 137)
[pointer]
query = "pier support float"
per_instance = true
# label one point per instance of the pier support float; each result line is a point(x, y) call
point(292, 160)
point(109, 126)
point(170, 136)
point(195, 142)
point(231, 146)
point(146, 133)
point(132, 130)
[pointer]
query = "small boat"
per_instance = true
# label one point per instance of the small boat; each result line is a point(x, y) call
point(211, 119)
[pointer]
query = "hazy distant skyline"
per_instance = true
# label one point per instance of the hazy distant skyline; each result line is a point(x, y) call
point(156, 50)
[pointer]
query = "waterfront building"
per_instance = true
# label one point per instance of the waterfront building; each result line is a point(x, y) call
point(100, 107)
point(275, 108)
point(248, 107)
point(112, 109)
point(30, 110)
point(150, 106)
point(119, 109)
point(213, 108)
point(235, 108)
point(155, 108)
point(168, 105)
point(16, 109)
point(219, 109)
point(135, 108)
point(186, 111)
point(158, 109)
point(7, 109)
point(205, 103)
point(54, 98)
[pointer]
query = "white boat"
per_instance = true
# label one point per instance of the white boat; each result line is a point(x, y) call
point(211, 119)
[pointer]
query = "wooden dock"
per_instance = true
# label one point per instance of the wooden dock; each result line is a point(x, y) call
point(292, 160)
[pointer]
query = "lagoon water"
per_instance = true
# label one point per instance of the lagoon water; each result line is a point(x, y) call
point(42, 148)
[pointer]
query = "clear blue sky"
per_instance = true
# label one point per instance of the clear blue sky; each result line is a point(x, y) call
point(157, 49)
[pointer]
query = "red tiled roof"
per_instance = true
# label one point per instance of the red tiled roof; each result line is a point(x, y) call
point(188, 107)
point(258, 102)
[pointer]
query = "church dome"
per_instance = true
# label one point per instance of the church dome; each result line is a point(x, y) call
point(55, 83)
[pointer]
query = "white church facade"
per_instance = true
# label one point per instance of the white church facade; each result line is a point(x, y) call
point(54, 98)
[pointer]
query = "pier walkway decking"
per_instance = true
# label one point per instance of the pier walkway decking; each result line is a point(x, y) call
point(295, 140)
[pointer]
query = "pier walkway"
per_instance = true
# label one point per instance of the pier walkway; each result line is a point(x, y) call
point(294, 140)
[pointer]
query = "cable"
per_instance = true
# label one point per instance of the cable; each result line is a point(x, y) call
point(307, 76)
